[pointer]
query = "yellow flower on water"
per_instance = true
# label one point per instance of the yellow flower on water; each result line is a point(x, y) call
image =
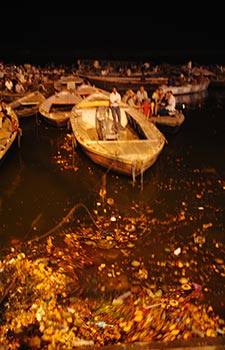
point(175, 332)
point(135, 263)
point(138, 316)
point(126, 326)
point(186, 286)
point(173, 302)
point(183, 280)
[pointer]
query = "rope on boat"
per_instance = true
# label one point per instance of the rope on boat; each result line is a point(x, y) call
point(134, 171)
point(142, 173)
point(19, 137)
point(74, 145)
point(68, 124)
point(64, 220)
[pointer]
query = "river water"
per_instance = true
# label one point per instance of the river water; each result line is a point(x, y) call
point(180, 201)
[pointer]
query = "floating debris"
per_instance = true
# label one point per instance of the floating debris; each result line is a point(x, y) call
point(44, 302)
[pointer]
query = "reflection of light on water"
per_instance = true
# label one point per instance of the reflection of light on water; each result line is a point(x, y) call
point(191, 99)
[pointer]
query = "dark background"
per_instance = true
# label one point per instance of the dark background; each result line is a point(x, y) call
point(63, 33)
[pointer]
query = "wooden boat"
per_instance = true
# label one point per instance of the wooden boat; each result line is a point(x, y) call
point(10, 96)
point(28, 105)
point(69, 82)
point(188, 88)
point(56, 108)
point(218, 80)
point(125, 82)
point(169, 123)
point(9, 131)
point(85, 90)
point(130, 151)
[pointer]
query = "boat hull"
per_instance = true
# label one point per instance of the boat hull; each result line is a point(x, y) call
point(187, 88)
point(125, 83)
point(169, 123)
point(132, 168)
point(8, 135)
point(28, 105)
point(56, 108)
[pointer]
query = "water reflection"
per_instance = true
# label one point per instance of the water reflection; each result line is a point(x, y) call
point(181, 204)
point(191, 101)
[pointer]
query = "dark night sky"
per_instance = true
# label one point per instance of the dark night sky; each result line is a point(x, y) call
point(103, 36)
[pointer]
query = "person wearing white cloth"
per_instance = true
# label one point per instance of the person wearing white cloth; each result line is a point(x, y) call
point(115, 100)
point(142, 95)
point(170, 104)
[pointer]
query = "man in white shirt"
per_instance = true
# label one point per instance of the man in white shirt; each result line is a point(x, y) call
point(115, 100)
point(9, 84)
point(142, 95)
point(171, 102)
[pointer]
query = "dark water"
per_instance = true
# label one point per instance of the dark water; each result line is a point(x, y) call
point(182, 196)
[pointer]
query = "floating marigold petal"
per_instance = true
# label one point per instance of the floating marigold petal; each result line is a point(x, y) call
point(173, 302)
point(186, 286)
point(183, 280)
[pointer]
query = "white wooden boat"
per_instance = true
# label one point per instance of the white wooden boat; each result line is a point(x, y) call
point(9, 131)
point(28, 105)
point(56, 108)
point(188, 88)
point(130, 151)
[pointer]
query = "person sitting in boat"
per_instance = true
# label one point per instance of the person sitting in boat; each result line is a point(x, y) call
point(132, 99)
point(158, 99)
point(9, 84)
point(169, 106)
point(127, 95)
point(5, 112)
point(19, 88)
point(142, 94)
point(147, 108)
point(115, 100)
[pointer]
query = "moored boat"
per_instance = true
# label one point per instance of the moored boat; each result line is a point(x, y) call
point(125, 82)
point(130, 151)
point(56, 108)
point(28, 105)
point(187, 88)
point(10, 96)
point(169, 123)
point(9, 130)
point(69, 82)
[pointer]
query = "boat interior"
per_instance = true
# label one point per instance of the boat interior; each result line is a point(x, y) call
point(98, 123)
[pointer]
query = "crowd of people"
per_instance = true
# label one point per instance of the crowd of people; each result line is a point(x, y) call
point(160, 103)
